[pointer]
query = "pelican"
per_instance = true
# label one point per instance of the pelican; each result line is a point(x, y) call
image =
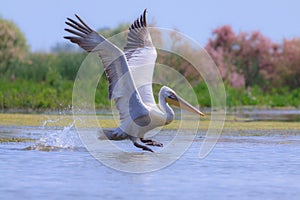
point(129, 74)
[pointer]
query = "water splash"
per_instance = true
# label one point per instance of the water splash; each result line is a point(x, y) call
point(58, 139)
point(49, 121)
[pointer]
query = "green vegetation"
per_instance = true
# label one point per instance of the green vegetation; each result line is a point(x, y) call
point(13, 47)
point(277, 97)
point(57, 95)
point(37, 81)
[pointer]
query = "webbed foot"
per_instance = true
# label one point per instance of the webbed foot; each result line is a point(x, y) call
point(151, 142)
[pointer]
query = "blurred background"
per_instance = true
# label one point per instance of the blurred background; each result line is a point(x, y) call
point(255, 44)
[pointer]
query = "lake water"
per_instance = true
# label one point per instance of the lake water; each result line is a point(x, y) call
point(287, 115)
point(55, 165)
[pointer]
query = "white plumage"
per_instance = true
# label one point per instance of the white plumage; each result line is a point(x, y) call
point(130, 81)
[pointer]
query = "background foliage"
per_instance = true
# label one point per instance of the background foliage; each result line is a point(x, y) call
point(256, 71)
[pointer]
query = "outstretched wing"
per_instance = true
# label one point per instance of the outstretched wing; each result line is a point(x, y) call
point(121, 85)
point(141, 56)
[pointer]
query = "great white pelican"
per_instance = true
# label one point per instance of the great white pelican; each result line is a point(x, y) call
point(130, 73)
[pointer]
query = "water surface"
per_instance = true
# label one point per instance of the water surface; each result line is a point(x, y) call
point(55, 165)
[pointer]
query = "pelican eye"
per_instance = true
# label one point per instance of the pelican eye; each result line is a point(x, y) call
point(172, 96)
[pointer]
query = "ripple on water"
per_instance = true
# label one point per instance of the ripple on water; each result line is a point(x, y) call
point(243, 165)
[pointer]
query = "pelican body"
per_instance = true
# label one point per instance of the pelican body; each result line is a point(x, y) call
point(130, 73)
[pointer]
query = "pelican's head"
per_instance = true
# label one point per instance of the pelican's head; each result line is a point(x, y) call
point(172, 98)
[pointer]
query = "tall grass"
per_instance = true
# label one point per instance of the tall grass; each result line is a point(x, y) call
point(45, 95)
point(45, 82)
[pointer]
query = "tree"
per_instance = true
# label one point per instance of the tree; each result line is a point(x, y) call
point(220, 49)
point(287, 64)
point(13, 46)
point(244, 58)
point(252, 52)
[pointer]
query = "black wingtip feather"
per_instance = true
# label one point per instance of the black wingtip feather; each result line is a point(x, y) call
point(140, 22)
point(68, 37)
point(83, 23)
point(144, 17)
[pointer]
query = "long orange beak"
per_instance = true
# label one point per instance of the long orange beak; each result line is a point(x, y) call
point(180, 102)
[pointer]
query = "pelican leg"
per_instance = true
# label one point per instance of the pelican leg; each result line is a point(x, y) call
point(151, 142)
point(145, 148)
